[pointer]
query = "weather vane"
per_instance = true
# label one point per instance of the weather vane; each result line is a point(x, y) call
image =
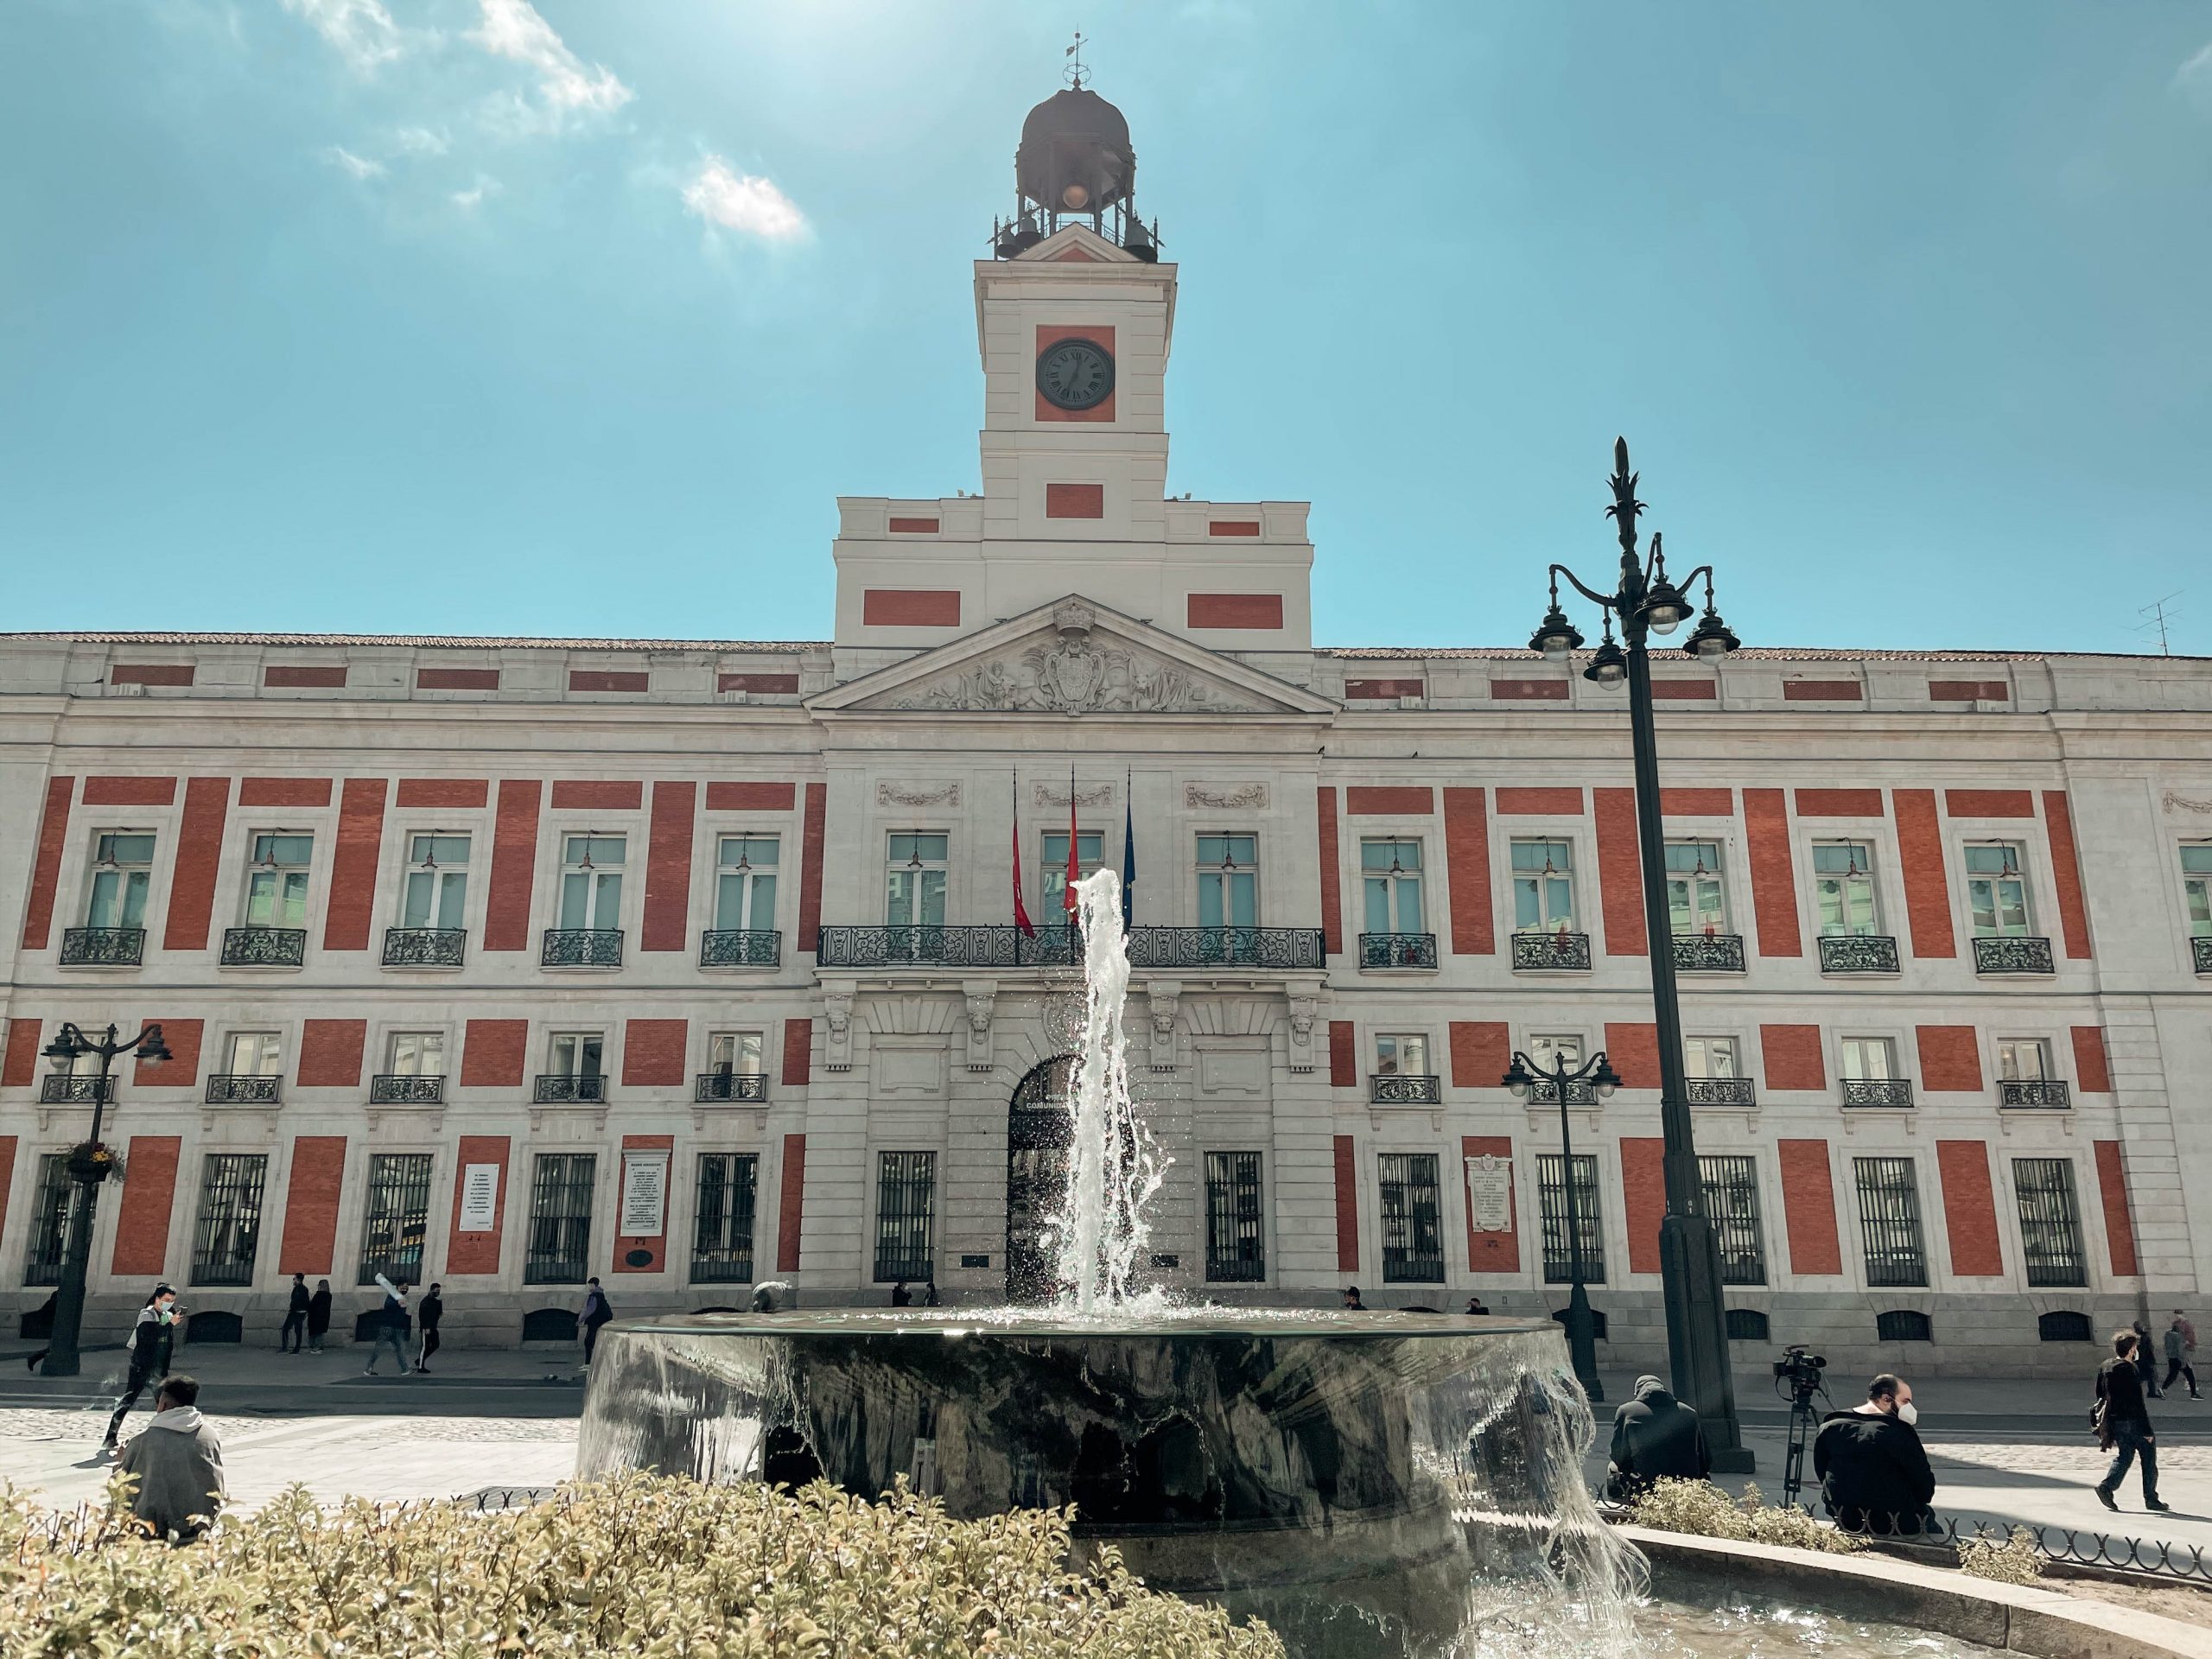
point(1076, 69)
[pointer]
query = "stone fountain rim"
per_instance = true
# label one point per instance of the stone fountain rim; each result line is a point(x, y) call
point(1288, 1324)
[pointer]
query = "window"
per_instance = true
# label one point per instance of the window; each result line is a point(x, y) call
point(745, 884)
point(397, 1217)
point(1052, 876)
point(1903, 1324)
point(559, 1247)
point(1548, 1048)
point(1869, 1059)
point(123, 865)
point(1697, 901)
point(722, 1226)
point(1889, 1222)
point(1401, 1054)
point(1229, 880)
point(1543, 886)
point(436, 892)
point(2063, 1327)
point(1843, 889)
point(905, 1215)
point(591, 883)
point(1732, 1201)
point(2196, 888)
point(254, 1054)
point(914, 893)
point(2051, 1222)
point(1551, 1206)
point(1413, 1230)
point(228, 1232)
point(277, 885)
point(49, 1220)
point(416, 1054)
point(1996, 893)
point(1710, 1057)
point(1747, 1325)
point(1390, 875)
point(1236, 1252)
point(2023, 1060)
point(735, 1054)
point(575, 1053)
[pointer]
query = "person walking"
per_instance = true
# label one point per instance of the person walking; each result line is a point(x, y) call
point(431, 1309)
point(43, 1313)
point(2181, 1350)
point(318, 1315)
point(392, 1327)
point(2122, 1423)
point(2145, 1363)
point(152, 1339)
point(1656, 1437)
point(178, 1466)
point(296, 1317)
point(595, 1314)
point(1873, 1472)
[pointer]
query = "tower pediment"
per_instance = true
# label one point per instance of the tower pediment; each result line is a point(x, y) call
point(1073, 657)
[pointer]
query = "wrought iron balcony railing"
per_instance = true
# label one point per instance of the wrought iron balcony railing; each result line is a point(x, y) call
point(1859, 953)
point(1404, 1089)
point(1708, 953)
point(725, 947)
point(1546, 1093)
point(103, 947)
point(238, 1088)
point(60, 1089)
point(2034, 1094)
point(939, 945)
point(389, 1088)
point(580, 947)
point(1999, 953)
point(1548, 951)
point(2200, 950)
point(1877, 1091)
point(732, 1085)
point(1397, 950)
point(584, 1086)
point(424, 947)
point(1719, 1091)
point(264, 947)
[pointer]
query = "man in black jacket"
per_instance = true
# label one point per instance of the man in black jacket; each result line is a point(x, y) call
point(296, 1317)
point(1656, 1437)
point(428, 1313)
point(318, 1314)
point(1872, 1469)
point(2123, 1422)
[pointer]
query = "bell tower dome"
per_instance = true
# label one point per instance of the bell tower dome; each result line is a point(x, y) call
point(1075, 165)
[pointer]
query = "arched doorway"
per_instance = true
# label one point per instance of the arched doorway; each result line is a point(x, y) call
point(1038, 1126)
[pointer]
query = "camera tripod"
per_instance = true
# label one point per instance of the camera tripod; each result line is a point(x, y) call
point(1803, 1422)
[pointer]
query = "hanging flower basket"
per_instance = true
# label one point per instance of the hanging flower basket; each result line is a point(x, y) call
point(95, 1161)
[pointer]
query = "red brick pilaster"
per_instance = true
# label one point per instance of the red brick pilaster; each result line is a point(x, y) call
point(2066, 871)
point(799, 1052)
point(2120, 1221)
point(1492, 1252)
point(1347, 1172)
point(810, 867)
point(309, 1243)
point(1950, 1060)
point(1481, 1050)
point(141, 1222)
point(199, 854)
point(1620, 872)
point(1332, 907)
point(472, 1254)
point(1809, 1207)
point(330, 1053)
point(655, 1245)
point(2092, 1065)
point(353, 865)
point(493, 1054)
point(1793, 1057)
point(1466, 868)
point(514, 864)
point(1927, 884)
point(788, 1214)
point(652, 1053)
point(1344, 1056)
point(1969, 1209)
point(45, 863)
point(1634, 1049)
point(1644, 1199)
point(668, 866)
point(1774, 877)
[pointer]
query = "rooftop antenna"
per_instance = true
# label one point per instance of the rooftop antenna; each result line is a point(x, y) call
point(1076, 71)
point(2159, 613)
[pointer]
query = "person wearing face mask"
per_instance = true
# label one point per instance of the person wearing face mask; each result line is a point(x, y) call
point(1872, 1469)
point(151, 1341)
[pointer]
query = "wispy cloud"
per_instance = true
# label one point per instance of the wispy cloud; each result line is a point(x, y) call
point(512, 28)
point(2195, 78)
point(362, 30)
point(358, 167)
point(470, 200)
point(421, 141)
point(742, 201)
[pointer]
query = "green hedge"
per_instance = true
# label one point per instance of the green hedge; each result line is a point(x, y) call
point(640, 1565)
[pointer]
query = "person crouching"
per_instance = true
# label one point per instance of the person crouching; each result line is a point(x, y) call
point(178, 1466)
point(1656, 1437)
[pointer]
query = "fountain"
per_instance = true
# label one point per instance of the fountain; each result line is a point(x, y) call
point(1370, 1483)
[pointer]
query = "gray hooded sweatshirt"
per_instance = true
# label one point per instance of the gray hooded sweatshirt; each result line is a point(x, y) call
point(178, 1463)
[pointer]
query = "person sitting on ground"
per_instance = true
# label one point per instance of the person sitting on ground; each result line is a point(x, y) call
point(2123, 1422)
point(1872, 1469)
point(1656, 1437)
point(1475, 1307)
point(178, 1466)
point(1351, 1299)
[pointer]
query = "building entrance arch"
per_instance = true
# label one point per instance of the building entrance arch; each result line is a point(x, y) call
point(1039, 1124)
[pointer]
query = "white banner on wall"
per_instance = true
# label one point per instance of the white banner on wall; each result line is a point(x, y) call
point(1489, 1194)
point(479, 1197)
point(644, 1194)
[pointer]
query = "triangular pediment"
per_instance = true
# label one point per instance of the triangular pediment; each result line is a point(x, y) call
point(1073, 657)
point(1078, 244)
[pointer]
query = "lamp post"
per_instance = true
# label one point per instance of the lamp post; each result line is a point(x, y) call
point(72, 1044)
point(1647, 602)
point(1522, 1077)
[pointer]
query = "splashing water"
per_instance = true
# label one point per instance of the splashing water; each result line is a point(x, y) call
point(1099, 1233)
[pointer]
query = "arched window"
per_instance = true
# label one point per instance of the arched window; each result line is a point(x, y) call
point(2064, 1327)
point(1747, 1325)
point(1902, 1325)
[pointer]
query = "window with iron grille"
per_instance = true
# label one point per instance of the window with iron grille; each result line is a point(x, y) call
point(228, 1232)
point(2051, 1222)
point(2063, 1327)
point(1904, 1325)
point(1236, 1251)
point(397, 1217)
point(1551, 1207)
point(1732, 1202)
point(1747, 1325)
point(560, 1219)
point(1889, 1221)
point(1413, 1231)
point(905, 1215)
point(722, 1226)
point(49, 1220)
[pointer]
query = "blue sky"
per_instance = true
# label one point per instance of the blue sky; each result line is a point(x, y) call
point(461, 316)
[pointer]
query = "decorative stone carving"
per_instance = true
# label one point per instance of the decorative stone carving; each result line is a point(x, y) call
point(1073, 673)
point(1304, 1006)
point(837, 1045)
point(981, 995)
point(1052, 795)
point(888, 794)
point(1160, 1001)
point(1232, 797)
point(2186, 804)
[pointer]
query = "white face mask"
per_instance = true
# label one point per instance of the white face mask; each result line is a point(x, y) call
point(1908, 1413)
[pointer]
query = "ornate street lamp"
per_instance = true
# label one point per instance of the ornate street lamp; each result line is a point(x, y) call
point(1522, 1079)
point(88, 1166)
point(1647, 601)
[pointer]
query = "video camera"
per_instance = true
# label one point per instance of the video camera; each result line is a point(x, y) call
point(1800, 1369)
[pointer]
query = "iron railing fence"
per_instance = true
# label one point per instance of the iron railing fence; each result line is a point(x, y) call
point(1411, 1210)
point(942, 946)
point(1397, 950)
point(1859, 953)
point(725, 947)
point(721, 1229)
point(389, 1089)
point(1404, 1089)
point(66, 1089)
point(1719, 1091)
point(103, 947)
point(243, 1088)
point(731, 1086)
point(397, 1218)
point(1999, 953)
point(425, 947)
point(1709, 953)
point(1551, 952)
point(559, 1250)
point(264, 947)
point(1551, 1209)
point(227, 1234)
point(580, 947)
point(1235, 1250)
point(2034, 1094)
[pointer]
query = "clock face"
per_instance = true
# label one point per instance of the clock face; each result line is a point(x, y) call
point(1075, 374)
